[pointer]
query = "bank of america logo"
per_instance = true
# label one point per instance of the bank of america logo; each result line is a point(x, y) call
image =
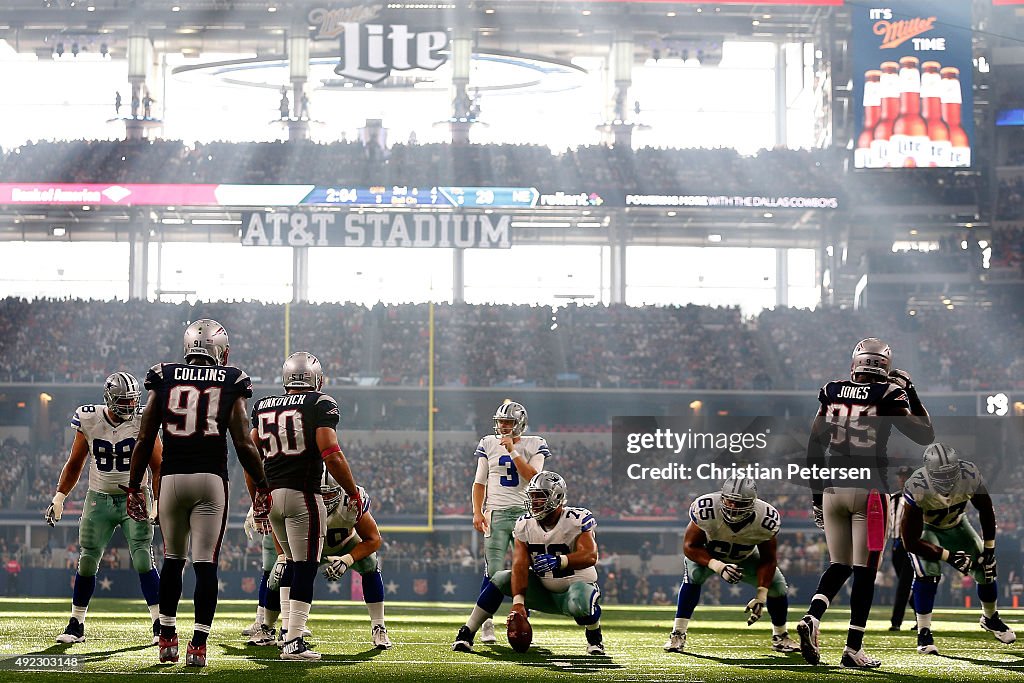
point(116, 193)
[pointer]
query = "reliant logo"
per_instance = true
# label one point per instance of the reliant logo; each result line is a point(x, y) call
point(563, 199)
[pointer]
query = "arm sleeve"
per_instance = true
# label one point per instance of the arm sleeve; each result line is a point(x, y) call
point(481, 471)
point(328, 414)
point(588, 523)
point(244, 384)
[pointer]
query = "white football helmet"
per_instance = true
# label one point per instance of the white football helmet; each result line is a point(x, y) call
point(510, 410)
point(121, 394)
point(331, 492)
point(209, 339)
point(302, 370)
point(943, 467)
point(544, 493)
point(738, 497)
point(871, 356)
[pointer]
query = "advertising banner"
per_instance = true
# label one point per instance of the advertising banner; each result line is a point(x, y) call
point(912, 84)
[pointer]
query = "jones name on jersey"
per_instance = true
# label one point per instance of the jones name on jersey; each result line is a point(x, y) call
point(560, 540)
point(943, 512)
point(341, 525)
point(729, 543)
point(110, 446)
point(286, 435)
point(505, 488)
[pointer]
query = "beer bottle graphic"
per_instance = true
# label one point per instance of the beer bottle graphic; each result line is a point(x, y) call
point(952, 99)
point(872, 113)
point(909, 139)
point(931, 106)
point(889, 86)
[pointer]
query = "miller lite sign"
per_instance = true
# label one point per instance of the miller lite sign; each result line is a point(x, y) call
point(370, 51)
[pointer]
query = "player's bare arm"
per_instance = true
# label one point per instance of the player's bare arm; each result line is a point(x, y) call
point(369, 534)
point(248, 455)
point(72, 470)
point(982, 502)
point(768, 563)
point(911, 530)
point(695, 543)
point(520, 576)
point(155, 461)
point(335, 460)
point(479, 492)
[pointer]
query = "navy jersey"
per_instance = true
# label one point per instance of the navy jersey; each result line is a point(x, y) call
point(194, 405)
point(858, 434)
point(286, 436)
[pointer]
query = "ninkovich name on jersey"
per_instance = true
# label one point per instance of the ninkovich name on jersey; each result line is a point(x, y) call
point(110, 446)
point(286, 436)
point(728, 542)
point(194, 405)
point(944, 511)
point(559, 540)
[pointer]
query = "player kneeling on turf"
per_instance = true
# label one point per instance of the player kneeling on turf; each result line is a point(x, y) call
point(553, 566)
point(732, 533)
point(936, 530)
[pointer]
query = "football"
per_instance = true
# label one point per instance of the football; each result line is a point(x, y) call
point(520, 633)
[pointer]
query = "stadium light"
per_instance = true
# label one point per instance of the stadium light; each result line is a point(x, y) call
point(45, 398)
point(58, 231)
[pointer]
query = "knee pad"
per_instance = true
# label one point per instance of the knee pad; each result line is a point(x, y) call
point(367, 564)
point(142, 559)
point(89, 562)
point(582, 602)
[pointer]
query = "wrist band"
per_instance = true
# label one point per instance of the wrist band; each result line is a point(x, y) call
point(990, 545)
point(347, 559)
point(329, 451)
point(762, 593)
point(563, 561)
point(945, 555)
point(58, 498)
point(519, 599)
point(716, 565)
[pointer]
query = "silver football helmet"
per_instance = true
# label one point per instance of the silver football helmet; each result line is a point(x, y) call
point(871, 356)
point(209, 339)
point(544, 493)
point(738, 497)
point(510, 410)
point(943, 467)
point(302, 370)
point(331, 492)
point(121, 394)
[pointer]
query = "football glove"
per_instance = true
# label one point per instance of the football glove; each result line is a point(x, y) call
point(961, 561)
point(756, 606)
point(901, 378)
point(154, 517)
point(988, 563)
point(55, 510)
point(335, 568)
point(355, 504)
point(136, 503)
point(249, 525)
point(730, 572)
point(819, 516)
point(544, 563)
point(274, 580)
point(261, 511)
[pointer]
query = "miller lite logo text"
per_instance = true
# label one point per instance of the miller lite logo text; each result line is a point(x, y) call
point(895, 33)
point(370, 51)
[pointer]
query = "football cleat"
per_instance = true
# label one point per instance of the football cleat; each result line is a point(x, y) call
point(595, 643)
point(282, 638)
point(487, 636)
point(859, 659)
point(74, 633)
point(894, 627)
point(463, 641)
point(251, 628)
point(998, 628)
point(169, 649)
point(299, 649)
point(262, 636)
point(783, 643)
point(156, 632)
point(926, 643)
point(676, 642)
point(807, 630)
point(195, 655)
point(379, 637)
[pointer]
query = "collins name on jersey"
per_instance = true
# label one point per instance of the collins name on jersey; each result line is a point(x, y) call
point(110, 447)
point(560, 540)
point(505, 488)
point(728, 543)
point(943, 512)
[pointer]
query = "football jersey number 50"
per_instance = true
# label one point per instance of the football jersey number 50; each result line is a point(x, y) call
point(287, 438)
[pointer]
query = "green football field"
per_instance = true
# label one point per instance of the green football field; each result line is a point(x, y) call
point(720, 648)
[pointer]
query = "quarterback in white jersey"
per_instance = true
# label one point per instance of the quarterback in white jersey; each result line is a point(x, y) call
point(553, 566)
point(732, 534)
point(506, 461)
point(935, 529)
point(105, 436)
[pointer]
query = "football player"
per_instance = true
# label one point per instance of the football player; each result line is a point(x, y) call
point(195, 404)
point(105, 437)
point(352, 543)
point(296, 434)
point(553, 566)
point(936, 530)
point(732, 534)
point(506, 461)
point(847, 432)
point(262, 631)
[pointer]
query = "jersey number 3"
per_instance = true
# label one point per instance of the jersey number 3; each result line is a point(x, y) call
point(512, 476)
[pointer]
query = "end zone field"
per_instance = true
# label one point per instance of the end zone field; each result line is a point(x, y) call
point(720, 647)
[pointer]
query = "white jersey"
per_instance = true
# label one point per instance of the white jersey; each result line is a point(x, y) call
point(505, 488)
point(729, 543)
point(943, 512)
point(110, 447)
point(341, 526)
point(560, 540)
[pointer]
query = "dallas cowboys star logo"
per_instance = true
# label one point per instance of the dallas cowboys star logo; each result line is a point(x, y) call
point(391, 587)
